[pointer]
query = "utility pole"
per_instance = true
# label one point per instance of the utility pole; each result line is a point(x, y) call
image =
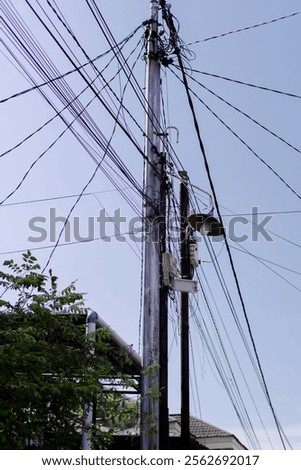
point(153, 187)
point(185, 274)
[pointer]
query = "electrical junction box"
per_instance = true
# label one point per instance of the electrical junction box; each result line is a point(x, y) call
point(185, 285)
point(169, 265)
point(193, 252)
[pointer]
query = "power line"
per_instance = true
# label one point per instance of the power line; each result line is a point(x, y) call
point(252, 85)
point(265, 213)
point(116, 45)
point(88, 182)
point(169, 20)
point(139, 92)
point(116, 226)
point(89, 127)
point(79, 197)
point(119, 57)
point(228, 365)
point(44, 152)
point(220, 368)
point(254, 223)
point(232, 265)
point(195, 375)
point(103, 145)
point(264, 261)
point(47, 247)
point(123, 63)
point(129, 77)
point(56, 198)
point(66, 74)
point(58, 114)
point(85, 79)
point(264, 23)
point(231, 345)
point(246, 115)
point(89, 150)
point(185, 82)
point(66, 26)
point(264, 386)
point(230, 302)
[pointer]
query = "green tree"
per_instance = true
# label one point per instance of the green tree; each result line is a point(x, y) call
point(49, 367)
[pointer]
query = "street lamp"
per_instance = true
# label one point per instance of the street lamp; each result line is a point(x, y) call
point(206, 224)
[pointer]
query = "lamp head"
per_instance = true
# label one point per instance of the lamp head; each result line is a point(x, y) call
point(206, 224)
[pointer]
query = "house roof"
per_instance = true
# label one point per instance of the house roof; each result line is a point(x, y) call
point(202, 429)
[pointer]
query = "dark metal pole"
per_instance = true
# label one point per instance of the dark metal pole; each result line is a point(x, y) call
point(185, 274)
point(163, 353)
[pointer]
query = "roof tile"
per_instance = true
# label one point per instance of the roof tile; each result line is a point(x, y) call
point(202, 429)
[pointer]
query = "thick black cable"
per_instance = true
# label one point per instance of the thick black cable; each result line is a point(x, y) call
point(196, 125)
point(202, 148)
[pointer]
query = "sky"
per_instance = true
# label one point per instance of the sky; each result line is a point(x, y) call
point(108, 271)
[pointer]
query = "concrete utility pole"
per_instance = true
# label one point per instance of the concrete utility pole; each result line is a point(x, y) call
point(152, 253)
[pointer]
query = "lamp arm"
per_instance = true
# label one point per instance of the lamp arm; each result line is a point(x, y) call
point(194, 186)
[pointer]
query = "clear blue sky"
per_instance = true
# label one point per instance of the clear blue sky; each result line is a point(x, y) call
point(109, 272)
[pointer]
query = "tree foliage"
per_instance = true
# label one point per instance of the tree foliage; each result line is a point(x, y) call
point(49, 367)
